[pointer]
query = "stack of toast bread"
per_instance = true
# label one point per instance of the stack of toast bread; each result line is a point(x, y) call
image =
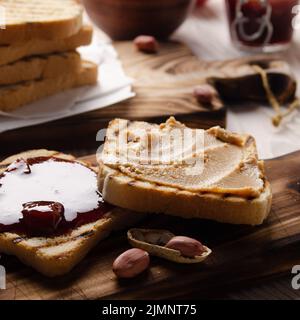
point(38, 54)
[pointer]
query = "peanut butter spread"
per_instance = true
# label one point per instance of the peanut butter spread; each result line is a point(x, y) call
point(173, 155)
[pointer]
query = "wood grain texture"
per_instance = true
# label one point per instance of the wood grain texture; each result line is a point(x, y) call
point(241, 256)
point(164, 86)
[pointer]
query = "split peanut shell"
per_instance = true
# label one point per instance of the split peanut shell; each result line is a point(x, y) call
point(154, 240)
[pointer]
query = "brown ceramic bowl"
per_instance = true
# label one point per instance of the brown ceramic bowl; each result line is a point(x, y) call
point(126, 19)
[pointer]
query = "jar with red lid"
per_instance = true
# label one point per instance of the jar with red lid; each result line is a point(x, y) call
point(262, 25)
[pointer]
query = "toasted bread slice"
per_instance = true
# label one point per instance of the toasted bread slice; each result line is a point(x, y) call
point(15, 96)
point(236, 192)
point(53, 256)
point(39, 19)
point(19, 50)
point(40, 67)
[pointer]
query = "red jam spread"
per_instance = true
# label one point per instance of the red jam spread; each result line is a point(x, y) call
point(48, 196)
point(258, 22)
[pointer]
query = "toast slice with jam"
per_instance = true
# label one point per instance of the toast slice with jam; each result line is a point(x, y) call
point(45, 225)
point(191, 173)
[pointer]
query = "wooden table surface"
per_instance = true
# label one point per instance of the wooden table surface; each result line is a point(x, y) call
point(241, 255)
point(216, 47)
point(278, 288)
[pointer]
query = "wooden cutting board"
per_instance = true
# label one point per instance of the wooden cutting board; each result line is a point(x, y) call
point(241, 254)
point(164, 86)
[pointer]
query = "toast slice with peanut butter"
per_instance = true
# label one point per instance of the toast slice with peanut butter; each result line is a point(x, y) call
point(192, 173)
point(55, 253)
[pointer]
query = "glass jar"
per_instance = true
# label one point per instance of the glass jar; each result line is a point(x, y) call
point(261, 25)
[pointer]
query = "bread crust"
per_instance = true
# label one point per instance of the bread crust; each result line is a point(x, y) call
point(39, 19)
point(140, 196)
point(15, 96)
point(54, 256)
point(19, 50)
point(40, 67)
